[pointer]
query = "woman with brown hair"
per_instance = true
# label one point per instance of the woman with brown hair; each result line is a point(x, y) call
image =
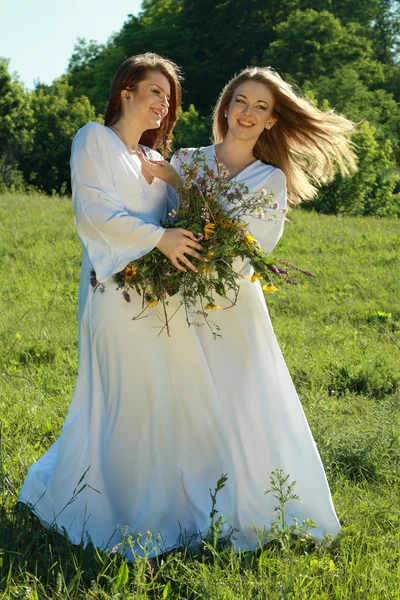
point(155, 421)
point(113, 465)
point(269, 138)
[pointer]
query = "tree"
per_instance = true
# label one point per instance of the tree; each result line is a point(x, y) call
point(213, 39)
point(57, 117)
point(336, 63)
point(380, 20)
point(198, 36)
point(343, 54)
point(16, 122)
point(385, 33)
point(372, 189)
point(345, 90)
point(91, 70)
point(319, 43)
point(191, 130)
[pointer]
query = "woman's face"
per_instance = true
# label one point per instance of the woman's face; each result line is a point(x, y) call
point(149, 103)
point(250, 110)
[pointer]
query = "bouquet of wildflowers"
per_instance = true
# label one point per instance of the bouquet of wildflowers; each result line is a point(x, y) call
point(214, 210)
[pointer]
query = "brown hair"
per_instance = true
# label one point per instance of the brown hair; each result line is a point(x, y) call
point(134, 70)
point(305, 142)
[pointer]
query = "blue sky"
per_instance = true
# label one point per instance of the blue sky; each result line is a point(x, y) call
point(38, 36)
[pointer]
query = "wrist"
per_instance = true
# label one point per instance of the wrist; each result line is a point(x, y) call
point(163, 230)
point(174, 180)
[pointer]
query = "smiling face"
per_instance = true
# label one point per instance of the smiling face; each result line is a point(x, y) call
point(148, 104)
point(250, 110)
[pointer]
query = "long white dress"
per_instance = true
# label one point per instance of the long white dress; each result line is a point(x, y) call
point(156, 420)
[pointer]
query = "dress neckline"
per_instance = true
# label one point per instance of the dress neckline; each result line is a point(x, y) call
point(212, 148)
point(131, 155)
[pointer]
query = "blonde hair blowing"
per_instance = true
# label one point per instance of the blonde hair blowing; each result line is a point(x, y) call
point(305, 142)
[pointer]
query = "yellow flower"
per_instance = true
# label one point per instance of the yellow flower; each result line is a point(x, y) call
point(226, 224)
point(130, 271)
point(205, 268)
point(209, 230)
point(255, 277)
point(210, 254)
point(270, 288)
point(249, 238)
point(211, 307)
point(152, 303)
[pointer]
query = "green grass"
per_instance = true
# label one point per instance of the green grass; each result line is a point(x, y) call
point(341, 339)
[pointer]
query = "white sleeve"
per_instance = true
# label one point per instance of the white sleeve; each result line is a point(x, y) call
point(172, 196)
point(180, 157)
point(111, 236)
point(173, 200)
point(176, 162)
point(268, 230)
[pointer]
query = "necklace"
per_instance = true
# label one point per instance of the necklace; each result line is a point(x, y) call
point(121, 135)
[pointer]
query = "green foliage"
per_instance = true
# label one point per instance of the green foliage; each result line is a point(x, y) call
point(320, 44)
point(342, 53)
point(340, 336)
point(226, 36)
point(344, 56)
point(344, 9)
point(15, 112)
point(385, 32)
point(191, 130)
point(11, 177)
point(371, 190)
point(335, 64)
point(57, 117)
point(391, 81)
point(355, 95)
point(91, 69)
point(197, 36)
point(16, 120)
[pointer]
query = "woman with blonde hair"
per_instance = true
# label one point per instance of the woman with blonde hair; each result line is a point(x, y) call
point(268, 137)
point(155, 421)
point(304, 142)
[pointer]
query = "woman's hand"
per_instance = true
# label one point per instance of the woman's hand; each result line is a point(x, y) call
point(159, 168)
point(175, 243)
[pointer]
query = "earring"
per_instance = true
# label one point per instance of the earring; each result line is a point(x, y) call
point(269, 126)
point(226, 114)
point(127, 97)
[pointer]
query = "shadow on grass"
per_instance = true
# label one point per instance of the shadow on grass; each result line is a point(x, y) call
point(40, 563)
point(29, 551)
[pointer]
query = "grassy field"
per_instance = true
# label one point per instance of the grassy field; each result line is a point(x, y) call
point(341, 339)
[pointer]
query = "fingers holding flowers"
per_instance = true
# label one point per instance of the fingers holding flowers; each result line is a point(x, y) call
point(176, 244)
point(214, 214)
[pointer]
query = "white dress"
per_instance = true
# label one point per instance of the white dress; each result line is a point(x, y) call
point(155, 421)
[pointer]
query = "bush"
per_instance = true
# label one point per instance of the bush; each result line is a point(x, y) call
point(372, 189)
point(191, 130)
point(11, 178)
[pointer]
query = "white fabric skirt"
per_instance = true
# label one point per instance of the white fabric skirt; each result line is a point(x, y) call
point(155, 421)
